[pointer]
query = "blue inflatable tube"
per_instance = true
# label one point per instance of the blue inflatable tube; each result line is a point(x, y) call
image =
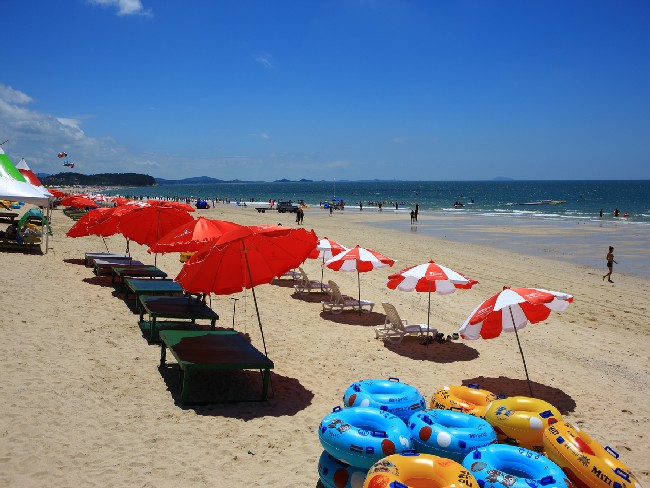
point(449, 434)
point(336, 474)
point(500, 465)
point(389, 395)
point(361, 436)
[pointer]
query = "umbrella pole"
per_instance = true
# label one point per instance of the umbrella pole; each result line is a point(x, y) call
point(428, 314)
point(322, 270)
point(105, 245)
point(530, 388)
point(359, 285)
point(257, 310)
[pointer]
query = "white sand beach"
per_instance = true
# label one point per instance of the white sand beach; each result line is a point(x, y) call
point(85, 403)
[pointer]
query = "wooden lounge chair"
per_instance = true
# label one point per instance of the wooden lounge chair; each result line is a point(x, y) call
point(340, 302)
point(306, 285)
point(395, 328)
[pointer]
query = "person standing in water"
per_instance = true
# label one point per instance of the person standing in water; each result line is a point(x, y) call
point(610, 264)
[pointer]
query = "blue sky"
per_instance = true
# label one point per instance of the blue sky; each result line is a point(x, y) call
point(345, 89)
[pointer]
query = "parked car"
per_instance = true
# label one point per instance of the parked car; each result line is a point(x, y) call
point(286, 207)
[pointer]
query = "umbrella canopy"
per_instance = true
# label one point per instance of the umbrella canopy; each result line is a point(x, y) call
point(193, 235)
point(358, 259)
point(83, 226)
point(166, 203)
point(148, 224)
point(78, 201)
point(29, 175)
point(326, 249)
point(429, 277)
point(56, 193)
point(246, 257)
point(14, 186)
point(510, 310)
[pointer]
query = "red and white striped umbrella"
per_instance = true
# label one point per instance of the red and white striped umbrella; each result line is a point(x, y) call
point(326, 249)
point(429, 277)
point(358, 259)
point(511, 310)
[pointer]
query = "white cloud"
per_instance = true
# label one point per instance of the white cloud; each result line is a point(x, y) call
point(399, 140)
point(264, 61)
point(124, 7)
point(264, 135)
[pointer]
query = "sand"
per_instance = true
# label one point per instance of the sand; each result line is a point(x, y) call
point(85, 404)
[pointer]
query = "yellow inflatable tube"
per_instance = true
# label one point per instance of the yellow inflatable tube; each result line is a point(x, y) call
point(415, 470)
point(585, 462)
point(521, 420)
point(467, 399)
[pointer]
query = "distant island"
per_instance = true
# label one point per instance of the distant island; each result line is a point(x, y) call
point(105, 179)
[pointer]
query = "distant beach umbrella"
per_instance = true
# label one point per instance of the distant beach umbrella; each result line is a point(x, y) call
point(429, 277)
point(511, 310)
point(358, 259)
point(326, 249)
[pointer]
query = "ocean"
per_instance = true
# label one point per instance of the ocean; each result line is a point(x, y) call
point(572, 231)
point(583, 199)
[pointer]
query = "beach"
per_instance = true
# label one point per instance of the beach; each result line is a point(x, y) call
point(86, 403)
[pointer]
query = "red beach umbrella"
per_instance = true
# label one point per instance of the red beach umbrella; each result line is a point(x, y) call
point(148, 224)
point(358, 259)
point(429, 277)
point(511, 310)
point(83, 226)
point(56, 193)
point(193, 235)
point(78, 201)
point(244, 258)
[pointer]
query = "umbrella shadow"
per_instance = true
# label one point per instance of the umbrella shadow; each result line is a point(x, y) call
point(236, 393)
point(447, 352)
point(354, 317)
point(517, 387)
point(311, 297)
point(75, 261)
point(284, 283)
point(103, 281)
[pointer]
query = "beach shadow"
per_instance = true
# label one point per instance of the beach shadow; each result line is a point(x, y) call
point(284, 283)
point(353, 317)
point(75, 261)
point(103, 281)
point(518, 387)
point(313, 297)
point(447, 352)
point(235, 394)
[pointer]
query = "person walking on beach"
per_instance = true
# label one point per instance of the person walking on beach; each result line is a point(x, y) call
point(301, 216)
point(610, 264)
point(412, 216)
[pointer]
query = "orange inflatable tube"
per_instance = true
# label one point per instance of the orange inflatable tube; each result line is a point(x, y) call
point(467, 399)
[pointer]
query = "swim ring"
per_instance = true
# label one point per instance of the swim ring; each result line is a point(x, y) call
point(360, 436)
point(389, 395)
point(337, 474)
point(449, 434)
point(586, 463)
point(521, 420)
point(500, 465)
point(468, 399)
point(413, 470)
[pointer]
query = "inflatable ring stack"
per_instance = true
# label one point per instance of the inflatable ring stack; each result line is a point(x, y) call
point(521, 420)
point(360, 436)
point(449, 434)
point(389, 395)
point(336, 474)
point(411, 470)
point(468, 399)
point(586, 463)
point(500, 465)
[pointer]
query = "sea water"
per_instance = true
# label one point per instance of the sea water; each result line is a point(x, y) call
point(572, 231)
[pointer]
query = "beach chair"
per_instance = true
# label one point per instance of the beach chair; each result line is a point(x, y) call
point(396, 328)
point(306, 285)
point(339, 302)
point(292, 274)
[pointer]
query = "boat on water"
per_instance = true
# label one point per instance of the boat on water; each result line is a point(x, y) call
point(544, 202)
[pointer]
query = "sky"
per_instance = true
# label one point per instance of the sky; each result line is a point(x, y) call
point(329, 89)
